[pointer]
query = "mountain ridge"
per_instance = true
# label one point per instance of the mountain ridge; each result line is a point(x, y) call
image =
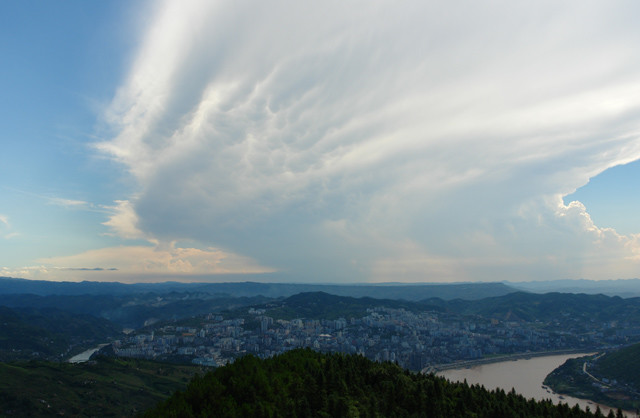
point(408, 291)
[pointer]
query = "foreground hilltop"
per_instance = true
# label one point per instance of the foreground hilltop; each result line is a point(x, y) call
point(304, 383)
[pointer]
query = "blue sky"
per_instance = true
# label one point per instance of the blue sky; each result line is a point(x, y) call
point(337, 142)
point(612, 198)
point(61, 63)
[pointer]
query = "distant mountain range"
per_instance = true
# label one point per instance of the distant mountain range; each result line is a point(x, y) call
point(517, 306)
point(136, 305)
point(625, 288)
point(411, 292)
point(132, 311)
point(406, 291)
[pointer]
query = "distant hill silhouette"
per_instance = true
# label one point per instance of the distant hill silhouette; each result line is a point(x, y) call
point(625, 288)
point(412, 292)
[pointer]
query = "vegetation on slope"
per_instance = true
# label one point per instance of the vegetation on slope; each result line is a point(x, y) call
point(621, 365)
point(139, 309)
point(48, 333)
point(517, 307)
point(321, 305)
point(131, 311)
point(303, 383)
point(530, 307)
point(104, 387)
point(569, 379)
point(612, 378)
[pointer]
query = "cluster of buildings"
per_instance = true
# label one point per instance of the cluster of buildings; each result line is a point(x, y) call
point(412, 339)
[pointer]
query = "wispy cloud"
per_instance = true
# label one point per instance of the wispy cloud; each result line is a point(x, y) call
point(68, 203)
point(90, 269)
point(364, 140)
point(57, 200)
point(5, 228)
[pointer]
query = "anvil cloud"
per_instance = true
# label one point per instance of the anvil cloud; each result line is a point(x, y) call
point(381, 141)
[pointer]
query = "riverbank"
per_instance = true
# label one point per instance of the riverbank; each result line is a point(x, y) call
point(573, 379)
point(498, 359)
point(526, 377)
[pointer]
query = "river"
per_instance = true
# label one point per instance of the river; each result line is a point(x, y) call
point(525, 376)
point(85, 355)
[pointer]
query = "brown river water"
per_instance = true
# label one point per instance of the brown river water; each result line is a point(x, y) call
point(525, 376)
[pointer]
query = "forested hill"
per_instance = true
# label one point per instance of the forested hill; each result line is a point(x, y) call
point(611, 378)
point(326, 306)
point(518, 306)
point(621, 365)
point(49, 333)
point(304, 383)
point(521, 306)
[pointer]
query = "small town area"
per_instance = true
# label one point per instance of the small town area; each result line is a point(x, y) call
point(414, 340)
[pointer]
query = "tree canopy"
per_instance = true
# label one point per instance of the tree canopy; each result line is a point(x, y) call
point(304, 383)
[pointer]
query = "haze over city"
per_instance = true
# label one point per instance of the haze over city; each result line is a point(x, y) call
point(319, 142)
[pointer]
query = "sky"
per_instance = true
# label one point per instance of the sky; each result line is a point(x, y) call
point(362, 141)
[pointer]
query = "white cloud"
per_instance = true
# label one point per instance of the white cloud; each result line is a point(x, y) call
point(148, 263)
point(23, 272)
point(123, 221)
point(431, 134)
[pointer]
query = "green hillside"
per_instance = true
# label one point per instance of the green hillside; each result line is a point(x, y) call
point(529, 307)
point(134, 310)
point(622, 365)
point(51, 334)
point(105, 387)
point(321, 305)
point(611, 379)
point(303, 383)
point(517, 306)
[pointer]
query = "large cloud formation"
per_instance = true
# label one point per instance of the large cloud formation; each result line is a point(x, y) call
point(373, 140)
